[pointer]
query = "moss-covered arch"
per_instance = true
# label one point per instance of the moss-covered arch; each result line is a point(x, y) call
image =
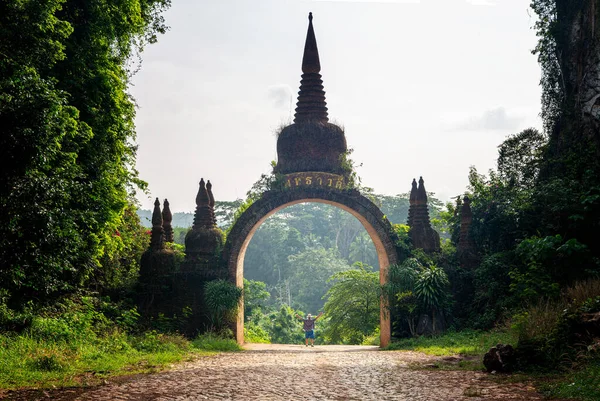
point(370, 216)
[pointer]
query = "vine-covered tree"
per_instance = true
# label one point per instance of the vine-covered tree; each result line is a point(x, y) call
point(67, 142)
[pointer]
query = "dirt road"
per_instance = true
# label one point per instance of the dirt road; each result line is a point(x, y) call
point(294, 372)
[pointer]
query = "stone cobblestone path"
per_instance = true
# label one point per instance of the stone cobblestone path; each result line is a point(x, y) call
point(293, 372)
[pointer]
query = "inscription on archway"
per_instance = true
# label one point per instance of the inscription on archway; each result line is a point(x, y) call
point(314, 179)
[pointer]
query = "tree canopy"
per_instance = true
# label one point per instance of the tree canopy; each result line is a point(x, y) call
point(67, 144)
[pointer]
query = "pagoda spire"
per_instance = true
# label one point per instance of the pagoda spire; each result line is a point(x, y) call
point(412, 202)
point(205, 238)
point(211, 202)
point(421, 193)
point(311, 105)
point(167, 218)
point(202, 217)
point(157, 239)
point(421, 233)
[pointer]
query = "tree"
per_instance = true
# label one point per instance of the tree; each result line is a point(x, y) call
point(308, 281)
point(520, 158)
point(415, 289)
point(41, 246)
point(285, 328)
point(352, 305)
point(363, 250)
point(255, 297)
point(68, 138)
point(431, 289)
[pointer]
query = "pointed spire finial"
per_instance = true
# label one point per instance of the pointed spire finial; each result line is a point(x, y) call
point(421, 193)
point(157, 219)
point(413, 192)
point(310, 60)
point(311, 105)
point(421, 233)
point(167, 217)
point(211, 201)
point(203, 216)
point(202, 197)
point(157, 235)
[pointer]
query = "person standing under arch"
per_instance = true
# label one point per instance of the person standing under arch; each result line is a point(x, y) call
point(309, 328)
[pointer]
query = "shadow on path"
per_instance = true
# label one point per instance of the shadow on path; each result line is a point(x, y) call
point(291, 348)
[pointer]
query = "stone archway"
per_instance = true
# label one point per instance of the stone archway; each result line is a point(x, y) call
point(352, 201)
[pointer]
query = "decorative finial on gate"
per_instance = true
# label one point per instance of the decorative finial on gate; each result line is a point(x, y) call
point(203, 216)
point(413, 192)
point(167, 217)
point(202, 196)
point(157, 219)
point(311, 104)
point(157, 235)
point(421, 193)
point(211, 201)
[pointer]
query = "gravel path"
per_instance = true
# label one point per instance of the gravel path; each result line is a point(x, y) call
point(293, 372)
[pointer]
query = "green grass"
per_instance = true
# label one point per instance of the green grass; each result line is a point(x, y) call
point(467, 343)
point(581, 385)
point(29, 362)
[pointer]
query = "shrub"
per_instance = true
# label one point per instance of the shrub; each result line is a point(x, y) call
point(222, 301)
point(158, 342)
point(47, 361)
point(214, 342)
point(254, 333)
point(551, 333)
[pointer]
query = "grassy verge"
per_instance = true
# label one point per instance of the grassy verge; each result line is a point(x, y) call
point(29, 362)
point(467, 343)
point(583, 384)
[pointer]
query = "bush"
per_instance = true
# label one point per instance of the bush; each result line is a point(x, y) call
point(47, 361)
point(214, 342)
point(254, 333)
point(222, 301)
point(551, 333)
point(158, 342)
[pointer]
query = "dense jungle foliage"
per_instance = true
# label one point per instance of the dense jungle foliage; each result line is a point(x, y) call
point(68, 143)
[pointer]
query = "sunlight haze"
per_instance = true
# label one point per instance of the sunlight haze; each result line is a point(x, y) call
point(422, 88)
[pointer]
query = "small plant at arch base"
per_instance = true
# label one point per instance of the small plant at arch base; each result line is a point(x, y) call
point(222, 301)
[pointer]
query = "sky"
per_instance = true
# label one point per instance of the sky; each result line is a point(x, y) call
point(422, 88)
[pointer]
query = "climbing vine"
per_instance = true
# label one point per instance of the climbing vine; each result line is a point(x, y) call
point(552, 82)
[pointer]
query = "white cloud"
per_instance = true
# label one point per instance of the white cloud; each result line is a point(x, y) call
point(280, 95)
point(497, 119)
